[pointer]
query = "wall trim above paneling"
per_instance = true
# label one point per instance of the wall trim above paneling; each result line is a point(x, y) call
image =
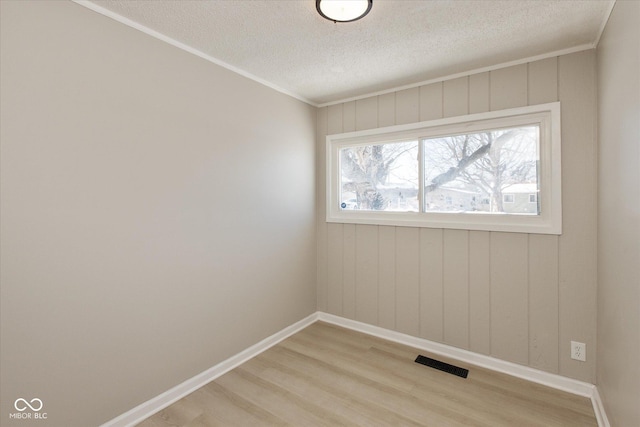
point(547, 55)
point(156, 404)
point(442, 79)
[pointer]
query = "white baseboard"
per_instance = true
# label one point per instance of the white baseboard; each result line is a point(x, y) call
point(598, 408)
point(513, 369)
point(156, 404)
point(559, 382)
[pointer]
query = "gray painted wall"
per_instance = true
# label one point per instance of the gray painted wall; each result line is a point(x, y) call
point(157, 213)
point(618, 371)
point(518, 297)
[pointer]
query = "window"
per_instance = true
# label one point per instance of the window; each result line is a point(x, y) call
point(490, 171)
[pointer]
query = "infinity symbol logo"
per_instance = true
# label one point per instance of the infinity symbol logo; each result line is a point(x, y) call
point(36, 407)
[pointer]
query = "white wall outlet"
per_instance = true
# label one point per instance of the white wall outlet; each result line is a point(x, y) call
point(579, 351)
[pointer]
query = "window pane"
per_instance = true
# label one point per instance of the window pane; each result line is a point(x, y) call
point(493, 171)
point(380, 177)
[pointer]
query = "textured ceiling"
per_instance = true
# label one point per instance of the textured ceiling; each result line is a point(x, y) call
point(286, 43)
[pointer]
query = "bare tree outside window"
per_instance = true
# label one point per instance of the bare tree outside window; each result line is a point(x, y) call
point(472, 172)
point(380, 177)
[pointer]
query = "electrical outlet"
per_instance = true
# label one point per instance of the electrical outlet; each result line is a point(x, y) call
point(579, 351)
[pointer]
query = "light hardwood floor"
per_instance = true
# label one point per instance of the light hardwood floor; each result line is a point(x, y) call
point(326, 375)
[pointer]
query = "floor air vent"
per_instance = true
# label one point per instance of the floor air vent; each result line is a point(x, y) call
point(441, 366)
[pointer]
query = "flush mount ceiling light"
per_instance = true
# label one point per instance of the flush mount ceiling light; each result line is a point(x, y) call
point(343, 10)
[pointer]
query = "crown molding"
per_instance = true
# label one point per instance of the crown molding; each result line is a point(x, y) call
point(155, 34)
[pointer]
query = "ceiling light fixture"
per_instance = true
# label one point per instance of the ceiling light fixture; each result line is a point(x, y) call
point(343, 10)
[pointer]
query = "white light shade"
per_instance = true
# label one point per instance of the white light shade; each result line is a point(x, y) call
point(343, 10)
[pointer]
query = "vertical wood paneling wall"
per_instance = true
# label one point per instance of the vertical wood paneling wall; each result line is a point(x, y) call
point(518, 297)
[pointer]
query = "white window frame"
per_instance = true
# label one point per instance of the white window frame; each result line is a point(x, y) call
point(549, 221)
